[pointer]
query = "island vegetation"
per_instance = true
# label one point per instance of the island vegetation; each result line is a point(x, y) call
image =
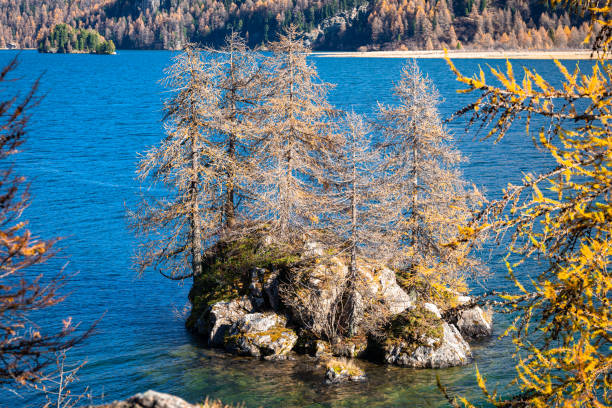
point(63, 39)
point(321, 231)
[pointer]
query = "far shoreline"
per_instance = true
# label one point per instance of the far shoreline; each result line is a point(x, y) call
point(454, 54)
point(431, 54)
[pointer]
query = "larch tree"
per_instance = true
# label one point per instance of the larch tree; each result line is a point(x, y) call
point(241, 90)
point(431, 198)
point(294, 135)
point(562, 326)
point(188, 168)
point(358, 218)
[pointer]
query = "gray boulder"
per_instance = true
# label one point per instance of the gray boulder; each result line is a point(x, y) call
point(261, 335)
point(475, 323)
point(392, 294)
point(451, 351)
point(214, 324)
point(150, 399)
point(263, 289)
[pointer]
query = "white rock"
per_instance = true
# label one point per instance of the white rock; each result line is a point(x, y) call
point(433, 309)
point(218, 319)
point(261, 335)
point(462, 300)
point(150, 399)
point(453, 351)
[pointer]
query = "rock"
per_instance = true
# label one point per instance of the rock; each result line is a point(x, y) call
point(462, 299)
point(312, 307)
point(261, 335)
point(271, 291)
point(392, 294)
point(256, 291)
point(433, 309)
point(452, 351)
point(217, 320)
point(475, 323)
point(313, 249)
point(342, 20)
point(321, 348)
point(150, 399)
point(263, 289)
point(308, 344)
point(339, 371)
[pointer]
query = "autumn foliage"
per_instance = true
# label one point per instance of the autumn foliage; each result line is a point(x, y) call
point(562, 328)
point(375, 24)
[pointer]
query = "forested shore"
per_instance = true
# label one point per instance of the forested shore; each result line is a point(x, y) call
point(327, 24)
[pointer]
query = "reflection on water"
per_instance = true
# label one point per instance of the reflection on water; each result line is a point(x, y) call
point(201, 371)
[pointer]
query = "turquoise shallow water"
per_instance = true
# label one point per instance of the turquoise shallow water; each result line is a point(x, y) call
point(80, 156)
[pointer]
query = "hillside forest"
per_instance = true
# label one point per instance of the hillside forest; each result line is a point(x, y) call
point(327, 24)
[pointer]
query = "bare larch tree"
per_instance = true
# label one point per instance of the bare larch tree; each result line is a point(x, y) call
point(358, 220)
point(241, 90)
point(188, 170)
point(431, 198)
point(295, 133)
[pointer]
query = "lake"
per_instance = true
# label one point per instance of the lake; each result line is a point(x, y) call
point(80, 158)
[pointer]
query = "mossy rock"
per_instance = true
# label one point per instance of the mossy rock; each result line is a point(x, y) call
point(414, 327)
point(226, 271)
point(261, 335)
point(342, 370)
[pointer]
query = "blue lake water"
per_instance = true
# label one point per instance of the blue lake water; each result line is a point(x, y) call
point(80, 157)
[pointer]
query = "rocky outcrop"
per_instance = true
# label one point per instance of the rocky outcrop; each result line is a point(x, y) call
point(278, 299)
point(340, 21)
point(451, 350)
point(261, 335)
point(391, 293)
point(473, 322)
point(220, 317)
point(312, 305)
point(154, 399)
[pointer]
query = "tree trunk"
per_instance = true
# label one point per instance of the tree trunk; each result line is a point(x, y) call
point(195, 216)
point(352, 276)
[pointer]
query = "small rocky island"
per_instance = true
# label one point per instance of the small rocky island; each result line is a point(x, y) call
point(64, 39)
point(257, 300)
